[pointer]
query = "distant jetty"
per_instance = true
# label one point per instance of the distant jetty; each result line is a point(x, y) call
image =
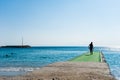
point(16, 46)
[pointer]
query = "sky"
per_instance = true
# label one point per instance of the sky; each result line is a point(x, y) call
point(60, 22)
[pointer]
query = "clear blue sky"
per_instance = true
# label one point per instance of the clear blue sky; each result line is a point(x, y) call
point(60, 22)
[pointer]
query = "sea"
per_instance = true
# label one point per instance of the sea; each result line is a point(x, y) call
point(19, 61)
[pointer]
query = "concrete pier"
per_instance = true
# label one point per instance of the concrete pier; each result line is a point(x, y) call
point(69, 71)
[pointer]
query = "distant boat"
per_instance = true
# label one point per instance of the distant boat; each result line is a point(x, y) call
point(16, 46)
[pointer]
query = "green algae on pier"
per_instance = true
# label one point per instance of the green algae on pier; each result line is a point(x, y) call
point(86, 57)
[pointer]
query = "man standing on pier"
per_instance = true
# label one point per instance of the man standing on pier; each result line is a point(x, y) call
point(91, 48)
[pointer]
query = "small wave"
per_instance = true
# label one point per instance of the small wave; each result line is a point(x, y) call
point(18, 69)
point(115, 71)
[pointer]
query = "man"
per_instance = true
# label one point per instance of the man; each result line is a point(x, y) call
point(91, 48)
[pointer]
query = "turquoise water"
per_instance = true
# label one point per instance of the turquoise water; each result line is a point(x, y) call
point(17, 61)
point(113, 59)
